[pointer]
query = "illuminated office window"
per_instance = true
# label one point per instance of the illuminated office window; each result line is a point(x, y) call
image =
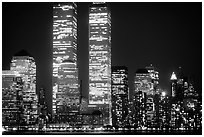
point(100, 57)
point(65, 70)
point(119, 95)
point(25, 65)
point(12, 88)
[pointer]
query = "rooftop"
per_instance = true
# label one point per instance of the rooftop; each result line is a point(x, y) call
point(23, 53)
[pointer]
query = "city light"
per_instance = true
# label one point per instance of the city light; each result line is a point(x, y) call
point(115, 99)
point(100, 59)
point(66, 95)
point(163, 93)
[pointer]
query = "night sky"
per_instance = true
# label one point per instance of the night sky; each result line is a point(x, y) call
point(167, 35)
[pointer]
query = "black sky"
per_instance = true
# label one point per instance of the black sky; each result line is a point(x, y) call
point(167, 35)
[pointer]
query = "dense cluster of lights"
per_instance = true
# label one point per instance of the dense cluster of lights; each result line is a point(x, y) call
point(108, 106)
point(186, 106)
point(65, 70)
point(173, 84)
point(11, 89)
point(143, 111)
point(100, 59)
point(119, 96)
point(154, 75)
point(164, 114)
point(26, 67)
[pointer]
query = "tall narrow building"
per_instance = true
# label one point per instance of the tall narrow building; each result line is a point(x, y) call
point(65, 71)
point(100, 60)
point(119, 77)
point(173, 84)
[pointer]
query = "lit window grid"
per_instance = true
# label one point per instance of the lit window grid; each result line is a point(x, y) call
point(119, 78)
point(119, 109)
point(26, 67)
point(64, 45)
point(139, 109)
point(143, 82)
point(64, 33)
point(10, 91)
point(99, 56)
point(119, 96)
point(173, 89)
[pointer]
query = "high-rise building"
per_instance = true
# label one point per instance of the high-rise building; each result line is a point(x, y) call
point(120, 94)
point(173, 84)
point(12, 111)
point(100, 60)
point(42, 105)
point(185, 107)
point(65, 70)
point(164, 107)
point(143, 99)
point(192, 107)
point(154, 75)
point(24, 64)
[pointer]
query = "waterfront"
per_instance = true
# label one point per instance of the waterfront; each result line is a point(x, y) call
point(124, 132)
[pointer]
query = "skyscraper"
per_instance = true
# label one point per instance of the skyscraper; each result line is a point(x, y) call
point(143, 100)
point(173, 84)
point(12, 87)
point(24, 64)
point(100, 60)
point(120, 94)
point(65, 70)
point(154, 75)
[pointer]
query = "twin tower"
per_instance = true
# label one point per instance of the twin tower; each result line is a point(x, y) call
point(65, 83)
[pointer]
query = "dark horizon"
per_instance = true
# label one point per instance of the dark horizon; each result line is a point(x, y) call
point(167, 35)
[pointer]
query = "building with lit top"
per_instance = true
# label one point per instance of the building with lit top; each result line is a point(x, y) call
point(65, 70)
point(143, 100)
point(164, 111)
point(192, 106)
point(173, 84)
point(185, 105)
point(119, 78)
point(100, 60)
point(24, 64)
point(154, 75)
point(12, 112)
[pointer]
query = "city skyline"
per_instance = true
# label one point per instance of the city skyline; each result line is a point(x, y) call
point(146, 31)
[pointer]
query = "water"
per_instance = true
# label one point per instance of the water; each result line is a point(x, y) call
point(127, 132)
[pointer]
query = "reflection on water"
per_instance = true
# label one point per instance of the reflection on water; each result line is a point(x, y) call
point(124, 132)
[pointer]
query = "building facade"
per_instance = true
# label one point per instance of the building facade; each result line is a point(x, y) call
point(173, 85)
point(65, 69)
point(154, 75)
point(12, 101)
point(185, 104)
point(100, 60)
point(25, 65)
point(143, 100)
point(119, 86)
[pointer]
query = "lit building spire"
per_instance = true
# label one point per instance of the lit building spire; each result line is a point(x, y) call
point(173, 76)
